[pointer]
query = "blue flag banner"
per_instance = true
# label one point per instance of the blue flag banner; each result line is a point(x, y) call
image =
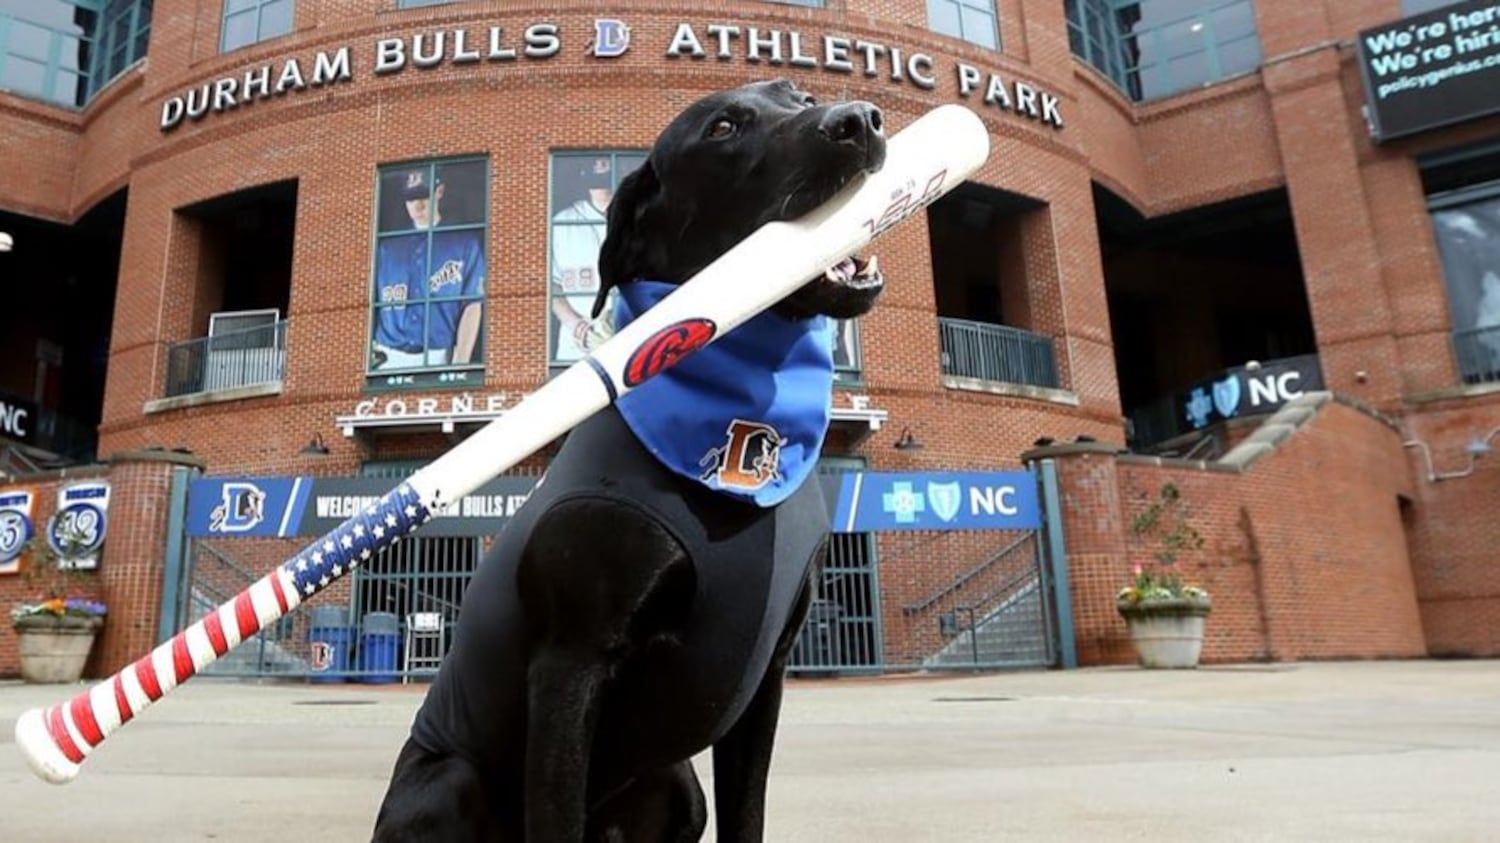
point(862, 501)
point(871, 501)
point(248, 506)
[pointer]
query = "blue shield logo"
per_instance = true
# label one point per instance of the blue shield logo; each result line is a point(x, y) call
point(945, 498)
point(611, 38)
point(1227, 396)
point(241, 507)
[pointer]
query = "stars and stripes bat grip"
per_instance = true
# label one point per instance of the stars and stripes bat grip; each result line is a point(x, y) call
point(923, 162)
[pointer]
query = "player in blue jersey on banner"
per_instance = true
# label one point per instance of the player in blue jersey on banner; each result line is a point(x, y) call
point(428, 285)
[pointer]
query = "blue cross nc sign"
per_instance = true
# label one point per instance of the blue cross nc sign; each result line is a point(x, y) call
point(959, 500)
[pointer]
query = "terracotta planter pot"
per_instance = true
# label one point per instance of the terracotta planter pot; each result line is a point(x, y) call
point(1167, 633)
point(53, 649)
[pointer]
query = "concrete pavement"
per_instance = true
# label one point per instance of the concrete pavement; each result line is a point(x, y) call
point(1369, 751)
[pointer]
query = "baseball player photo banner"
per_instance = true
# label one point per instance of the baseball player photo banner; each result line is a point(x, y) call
point(17, 526)
point(427, 293)
point(583, 183)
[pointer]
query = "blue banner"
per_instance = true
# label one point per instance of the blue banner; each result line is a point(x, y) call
point(248, 506)
point(857, 501)
point(969, 500)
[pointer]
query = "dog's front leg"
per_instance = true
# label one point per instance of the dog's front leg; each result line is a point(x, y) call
point(742, 758)
point(562, 709)
point(597, 578)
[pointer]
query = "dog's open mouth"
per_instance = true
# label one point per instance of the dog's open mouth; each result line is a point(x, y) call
point(856, 273)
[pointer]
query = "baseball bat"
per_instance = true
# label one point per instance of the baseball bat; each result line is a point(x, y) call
point(923, 161)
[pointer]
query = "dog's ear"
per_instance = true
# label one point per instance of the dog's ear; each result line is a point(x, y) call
point(622, 255)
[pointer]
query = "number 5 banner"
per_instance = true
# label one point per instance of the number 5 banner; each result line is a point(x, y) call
point(77, 530)
point(16, 527)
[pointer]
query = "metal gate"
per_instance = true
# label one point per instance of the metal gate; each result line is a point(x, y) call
point(994, 613)
point(842, 633)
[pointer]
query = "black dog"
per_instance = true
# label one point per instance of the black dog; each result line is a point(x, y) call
point(631, 616)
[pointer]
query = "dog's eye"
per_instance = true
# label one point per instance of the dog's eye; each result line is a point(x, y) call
point(722, 128)
point(809, 101)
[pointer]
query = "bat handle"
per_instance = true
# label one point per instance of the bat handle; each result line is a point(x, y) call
point(55, 741)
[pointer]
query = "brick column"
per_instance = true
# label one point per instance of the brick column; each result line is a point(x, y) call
point(130, 569)
point(1319, 131)
point(1094, 533)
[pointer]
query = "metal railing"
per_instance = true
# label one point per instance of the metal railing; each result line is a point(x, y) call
point(228, 360)
point(992, 615)
point(216, 577)
point(972, 575)
point(1478, 353)
point(997, 353)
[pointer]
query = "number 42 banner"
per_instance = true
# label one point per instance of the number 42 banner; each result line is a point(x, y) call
point(78, 529)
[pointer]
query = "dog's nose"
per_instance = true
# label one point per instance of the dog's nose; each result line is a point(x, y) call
point(852, 122)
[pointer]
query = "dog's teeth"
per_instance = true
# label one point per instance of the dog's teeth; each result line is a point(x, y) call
point(872, 265)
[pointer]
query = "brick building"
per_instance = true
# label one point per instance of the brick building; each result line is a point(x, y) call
point(1194, 211)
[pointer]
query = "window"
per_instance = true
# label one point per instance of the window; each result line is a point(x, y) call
point(1154, 48)
point(583, 183)
point(249, 22)
point(848, 360)
point(427, 300)
point(64, 51)
point(1417, 7)
point(972, 20)
point(124, 29)
point(1466, 222)
point(45, 47)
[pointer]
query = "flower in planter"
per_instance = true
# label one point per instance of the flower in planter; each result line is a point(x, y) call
point(60, 607)
point(52, 585)
point(1159, 587)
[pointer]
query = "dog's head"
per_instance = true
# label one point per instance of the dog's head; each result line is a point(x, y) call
point(730, 163)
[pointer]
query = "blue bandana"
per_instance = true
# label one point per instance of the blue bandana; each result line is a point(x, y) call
point(745, 415)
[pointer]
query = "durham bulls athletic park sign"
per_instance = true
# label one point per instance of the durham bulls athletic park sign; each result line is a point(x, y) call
point(497, 45)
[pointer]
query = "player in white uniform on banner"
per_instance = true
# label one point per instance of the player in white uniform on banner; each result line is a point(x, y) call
point(577, 233)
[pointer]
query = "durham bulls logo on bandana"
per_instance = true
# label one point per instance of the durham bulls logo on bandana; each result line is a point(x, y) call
point(749, 459)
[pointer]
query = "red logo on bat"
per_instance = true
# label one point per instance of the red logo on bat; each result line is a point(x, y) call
point(666, 348)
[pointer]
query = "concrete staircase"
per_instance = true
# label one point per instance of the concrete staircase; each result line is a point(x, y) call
point(1011, 634)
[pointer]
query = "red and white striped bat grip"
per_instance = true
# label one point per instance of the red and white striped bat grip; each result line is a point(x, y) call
point(56, 740)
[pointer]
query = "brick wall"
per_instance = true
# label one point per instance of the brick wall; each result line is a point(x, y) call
point(1305, 552)
point(130, 573)
point(1454, 534)
point(30, 584)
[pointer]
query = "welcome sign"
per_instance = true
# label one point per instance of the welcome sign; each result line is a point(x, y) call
point(858, 501)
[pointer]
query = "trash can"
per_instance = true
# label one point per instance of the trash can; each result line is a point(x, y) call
point(817, 648)
point(328, 644)
point(379, 646)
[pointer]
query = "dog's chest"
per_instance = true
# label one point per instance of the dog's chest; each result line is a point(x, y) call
point(750, 566)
